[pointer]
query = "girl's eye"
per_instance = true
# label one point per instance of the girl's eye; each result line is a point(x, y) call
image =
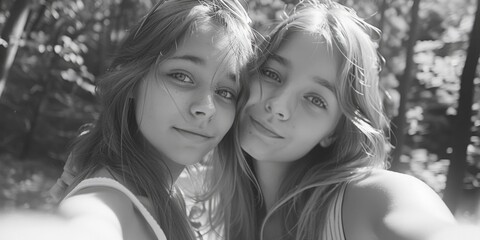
point(181, 77)
point(270, 74)
point(317, 101)
point(226, 94)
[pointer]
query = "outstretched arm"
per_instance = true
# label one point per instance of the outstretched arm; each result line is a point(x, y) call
point(394, 206)
point(91, 215)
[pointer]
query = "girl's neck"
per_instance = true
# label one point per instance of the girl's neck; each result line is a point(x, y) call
point(175, 171)
point(172, 169)
point(270, 176)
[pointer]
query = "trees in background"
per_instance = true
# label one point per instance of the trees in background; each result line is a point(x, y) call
point(66, 44)
point(10, 38)
point(463, 118)
point(399, 121)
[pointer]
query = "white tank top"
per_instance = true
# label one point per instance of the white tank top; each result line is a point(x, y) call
point(107, 182)
point(334, 226)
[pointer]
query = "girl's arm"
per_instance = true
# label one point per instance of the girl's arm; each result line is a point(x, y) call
point(99, 212)
point(102, 214)
point(393, 206)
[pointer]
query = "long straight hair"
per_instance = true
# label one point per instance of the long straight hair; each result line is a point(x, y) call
point(115, 142)
point(360, 143)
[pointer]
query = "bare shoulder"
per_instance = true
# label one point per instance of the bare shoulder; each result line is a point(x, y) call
point(98, 210)
point(389, 182)
point(98, 200)
point(396, 205)
point(378, 176)
point(105, 210)
point(392, 187)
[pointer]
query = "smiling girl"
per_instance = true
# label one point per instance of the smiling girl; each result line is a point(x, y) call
point(169, 99)
point(313, 131)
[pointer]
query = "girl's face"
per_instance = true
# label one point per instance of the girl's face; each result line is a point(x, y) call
point(187, 105)
point(293, 105)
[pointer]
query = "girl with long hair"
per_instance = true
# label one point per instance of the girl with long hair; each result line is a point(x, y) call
point(169, 98)
point(315, 135)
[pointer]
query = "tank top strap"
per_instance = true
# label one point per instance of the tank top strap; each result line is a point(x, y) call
point(334, 226)
point(110, 183)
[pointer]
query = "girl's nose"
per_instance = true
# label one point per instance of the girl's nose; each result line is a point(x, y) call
point(205, 108)
point(278, 107)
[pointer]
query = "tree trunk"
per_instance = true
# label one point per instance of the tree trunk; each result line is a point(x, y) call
point(47, 82)
point(398, 123)
point(10, 37)
point(463, 122)
point(36, 17)
point(381, 22)
point(38, 107)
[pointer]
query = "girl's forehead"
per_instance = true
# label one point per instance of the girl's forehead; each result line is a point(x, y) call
point(225, 46)
point(309, 46)
point(307, 55)
point(205, 47)
point(307, 39)
point(210, 34)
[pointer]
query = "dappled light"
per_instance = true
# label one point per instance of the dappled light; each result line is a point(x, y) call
point(49, 91)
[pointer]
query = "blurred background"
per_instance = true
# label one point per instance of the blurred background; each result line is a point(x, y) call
point(52, 52)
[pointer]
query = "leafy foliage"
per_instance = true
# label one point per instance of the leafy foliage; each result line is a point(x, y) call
point(67, 44)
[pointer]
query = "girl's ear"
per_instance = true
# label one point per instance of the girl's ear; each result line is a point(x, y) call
point(327, 141)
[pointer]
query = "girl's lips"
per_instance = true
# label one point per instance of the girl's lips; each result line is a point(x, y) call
point(193, 133)
point(265, 129)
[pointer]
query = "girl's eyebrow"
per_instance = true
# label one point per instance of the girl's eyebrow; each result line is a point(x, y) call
point(323, 82)
point(201, 61)
point(280, 59)
point(191, 58)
